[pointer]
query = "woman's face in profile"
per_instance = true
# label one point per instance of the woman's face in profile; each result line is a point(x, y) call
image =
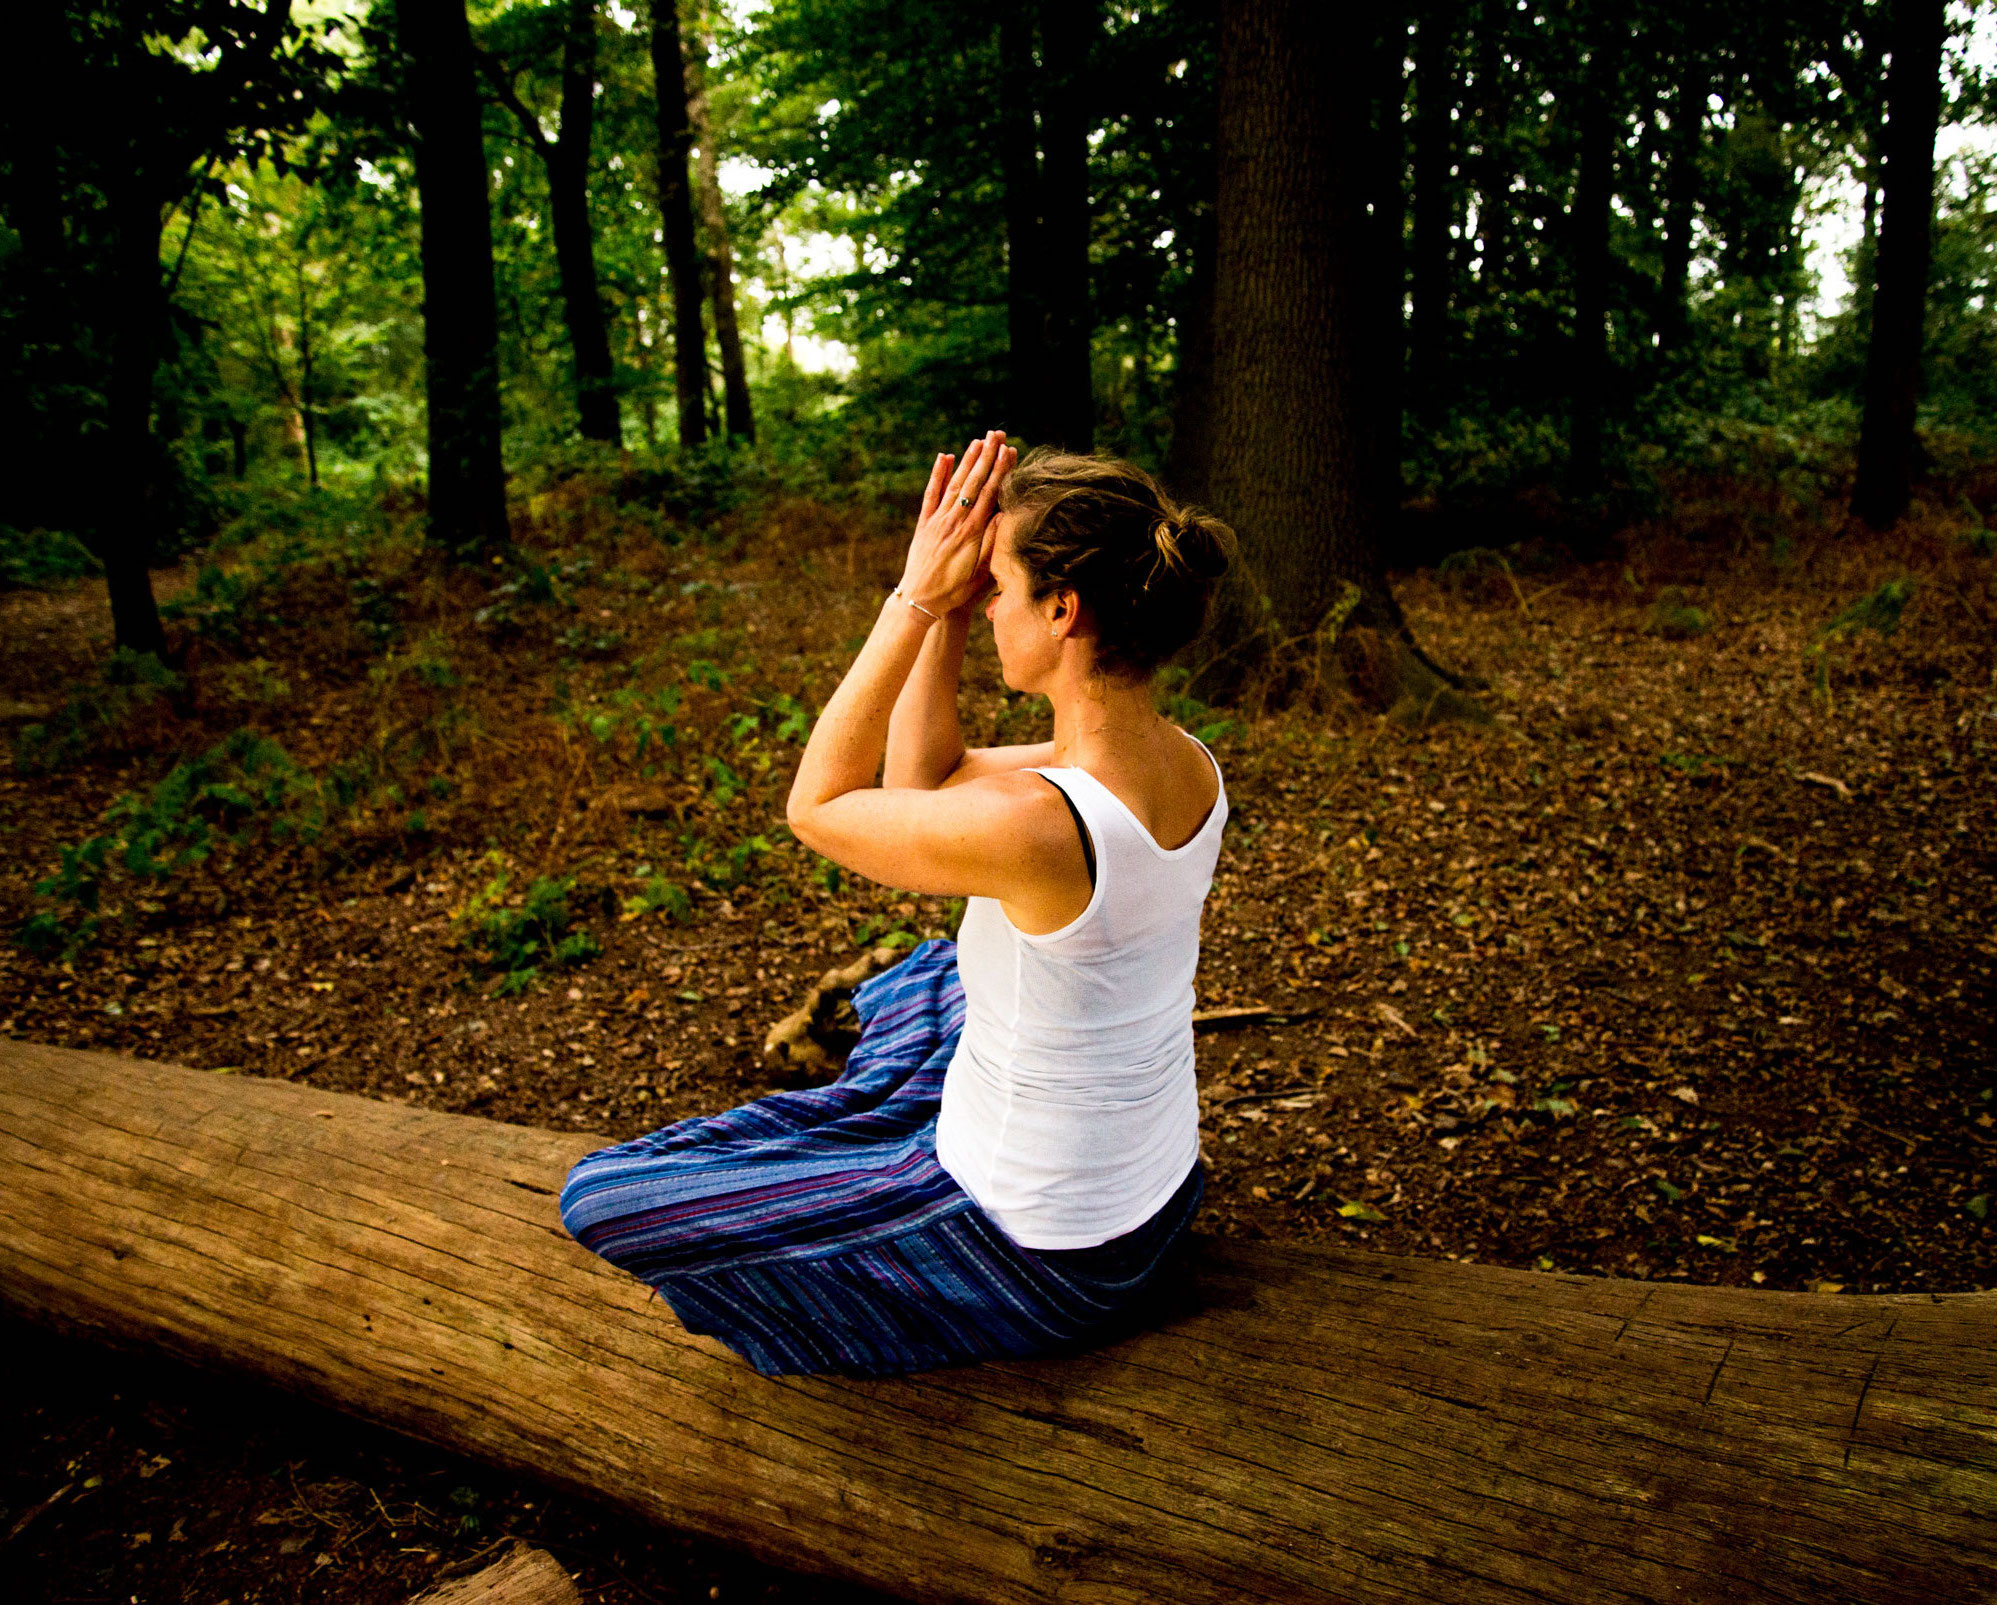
point(1017, 624)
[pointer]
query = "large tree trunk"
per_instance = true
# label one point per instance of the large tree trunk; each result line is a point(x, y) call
point(123, 541)
point(1435, 99)
point(1068, 33)
point(741, 415)
point(575, 238)
point(1588, 248)
point(1888, 450)
point(676, 222)
point(1306, 1423)
point(1297, 463)
point(460, 308)
point(1019, 171)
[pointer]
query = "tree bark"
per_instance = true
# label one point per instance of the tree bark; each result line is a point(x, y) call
point(575, 237)
point(125, 540)
point(1189, 464)
point(1889, 452)
point(676, 221)
point(1433, 191)
point(1019, 171)
point(1297, 447)
point(1304, 1423)
point(1068, 32)
point(1681, 201)
point(1589, 248)
point(740, 414)
point(460, 307)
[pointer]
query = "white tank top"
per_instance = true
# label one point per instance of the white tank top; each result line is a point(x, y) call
point(1070, 1113)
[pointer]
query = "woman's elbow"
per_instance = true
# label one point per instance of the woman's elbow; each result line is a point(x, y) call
point(797, 815)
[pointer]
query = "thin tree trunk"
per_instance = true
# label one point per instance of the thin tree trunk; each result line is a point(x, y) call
point(741, 416)
point(460, 308)
point(1019, 170)
point(1681, 200)
point(1589, 224)
point(1493, 165)
point(1429, 278)
point(1389, 201)
point(305, 409)
point(676, 220)
point(1189, 465)
point(575, 238)
point(1888, 449)
point(1068, 32)
point(125, 541)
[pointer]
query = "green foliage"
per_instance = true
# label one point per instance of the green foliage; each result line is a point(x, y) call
point(96, 715)
point(39, 557)
point(224, 795)
point(1878, 612)
point(1673, 616)
point(656, 895)
point(1188, 711)
point(512, 938)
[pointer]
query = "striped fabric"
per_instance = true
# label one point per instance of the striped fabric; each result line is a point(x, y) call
point(814, 1231)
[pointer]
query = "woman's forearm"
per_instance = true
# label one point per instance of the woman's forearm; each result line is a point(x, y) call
point(846, 744)
point(925, 740)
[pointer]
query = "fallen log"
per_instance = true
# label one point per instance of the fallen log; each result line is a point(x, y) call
point(1315, 1424)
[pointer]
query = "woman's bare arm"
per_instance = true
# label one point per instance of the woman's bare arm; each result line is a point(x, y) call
point(925, 740)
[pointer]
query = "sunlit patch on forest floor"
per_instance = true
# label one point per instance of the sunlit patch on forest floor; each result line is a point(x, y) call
point(1681, 969)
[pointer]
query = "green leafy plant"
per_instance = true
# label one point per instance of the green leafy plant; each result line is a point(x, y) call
point(512, 939)
point(36, 557)
point(656, 895)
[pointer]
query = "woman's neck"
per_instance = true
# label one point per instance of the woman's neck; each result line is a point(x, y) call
point(1088, 728)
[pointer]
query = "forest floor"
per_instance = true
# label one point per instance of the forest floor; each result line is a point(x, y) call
point(1679, 969)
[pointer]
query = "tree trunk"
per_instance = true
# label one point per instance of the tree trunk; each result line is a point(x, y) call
point(1019, 171)
point(1306, 1422)
point(1189, 464)
point(1435, 99)
point(307, 412)
point(1681, 201)
point(1068, 32)
point(1297, 445)
point(1589, 247)
point(1388, 202)
point(1494, 166)
point(1888, 449)
point(567, 161)
point(741, 416)
point(124, 540)
point(676, 220)
point(460, 308)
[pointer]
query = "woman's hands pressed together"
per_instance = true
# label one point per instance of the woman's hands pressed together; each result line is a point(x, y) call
point(949, 559)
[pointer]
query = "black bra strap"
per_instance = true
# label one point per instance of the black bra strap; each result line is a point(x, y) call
point(1088, 846)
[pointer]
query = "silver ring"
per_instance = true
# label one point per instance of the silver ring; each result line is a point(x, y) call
point(963, 501)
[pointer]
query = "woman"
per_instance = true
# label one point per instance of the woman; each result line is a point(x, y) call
point(1014, 1143)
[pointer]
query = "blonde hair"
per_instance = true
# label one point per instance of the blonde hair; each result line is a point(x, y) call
point(1144, 565)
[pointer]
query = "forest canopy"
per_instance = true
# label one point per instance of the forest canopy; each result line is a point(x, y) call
point(1583, 245)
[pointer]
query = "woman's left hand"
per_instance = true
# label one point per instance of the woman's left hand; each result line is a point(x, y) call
point(949, 560)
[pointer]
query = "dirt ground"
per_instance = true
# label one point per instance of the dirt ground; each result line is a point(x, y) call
point(1679, 969)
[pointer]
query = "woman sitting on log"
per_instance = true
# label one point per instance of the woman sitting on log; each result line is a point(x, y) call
point(1013, 1146)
